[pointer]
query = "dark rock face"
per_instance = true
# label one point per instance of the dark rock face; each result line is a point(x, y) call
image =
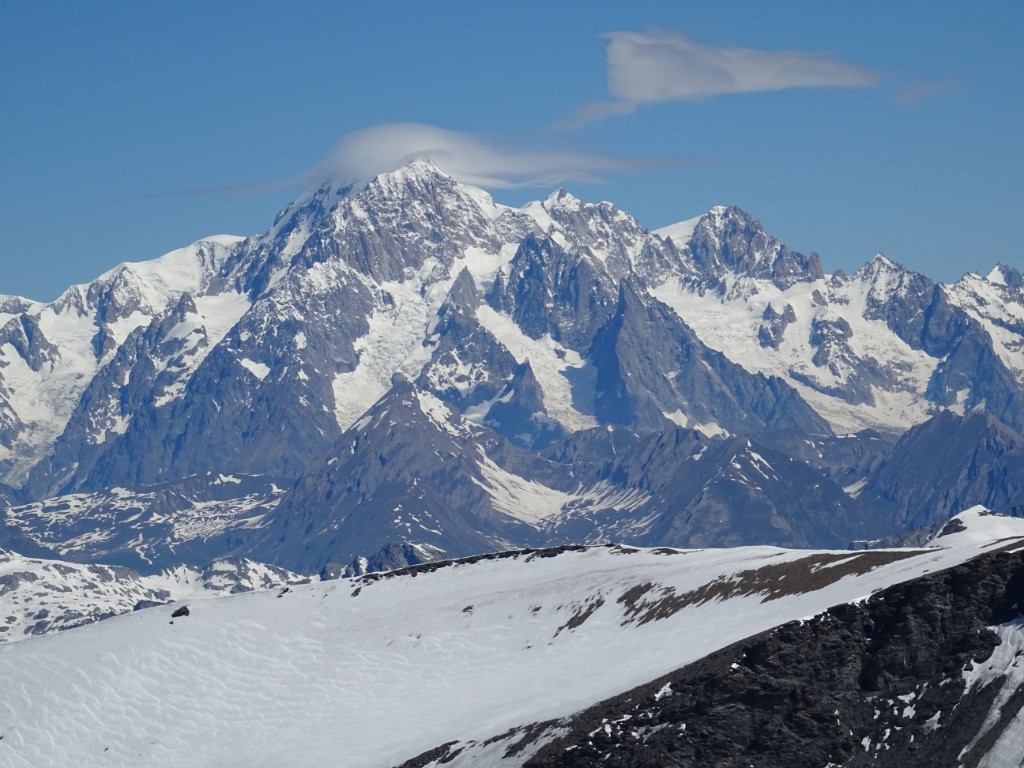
point(830, 340)
point(748, 493)
point(774, 325)
point(24, 334)
point(701, 492)
point(1012, 278)
point(730, 240)
point(972, 366)
point(142, 605)
point(399, 221)
point(229, 419)
point(943, 466)
point(13, 539)
point(408, 471)
point(141, 368)
point(921, 313)
point(520, 414)
point(604, 228)
point(390, 557)
point(843, 459)
point(873, 683)
point(549, 290)
point(649, 363)
point(909, 303)
point(827, 335)
point(425, 489)
point(467, 365)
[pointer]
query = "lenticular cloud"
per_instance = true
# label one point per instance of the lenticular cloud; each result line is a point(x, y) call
point(665, 66)
point(468, 157)
point(660, 65)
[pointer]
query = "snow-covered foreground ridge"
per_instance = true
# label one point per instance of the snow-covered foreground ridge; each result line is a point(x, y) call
point(374, 671)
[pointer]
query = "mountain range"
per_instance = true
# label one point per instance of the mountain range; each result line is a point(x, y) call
point(409, 370)
point(412, 364)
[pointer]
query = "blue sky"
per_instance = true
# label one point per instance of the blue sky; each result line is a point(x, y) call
point(891, 127)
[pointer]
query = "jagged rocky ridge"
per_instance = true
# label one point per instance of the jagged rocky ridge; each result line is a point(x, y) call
point(584, 379)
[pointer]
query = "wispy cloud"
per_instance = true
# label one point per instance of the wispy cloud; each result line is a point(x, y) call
point(661, 65)
point(473, 158)
point(915, 93)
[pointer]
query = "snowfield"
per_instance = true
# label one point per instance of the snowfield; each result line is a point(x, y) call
point(374, 671)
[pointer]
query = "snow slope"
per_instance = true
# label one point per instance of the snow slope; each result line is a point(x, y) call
point(680, 232)
point(730, 322)
point(42, 596)
point(998, 307)
point(374, 671)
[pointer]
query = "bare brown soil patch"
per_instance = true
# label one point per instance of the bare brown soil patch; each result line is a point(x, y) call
point(650, 602)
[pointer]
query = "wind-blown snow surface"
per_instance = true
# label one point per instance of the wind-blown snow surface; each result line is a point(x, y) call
point(372, 672)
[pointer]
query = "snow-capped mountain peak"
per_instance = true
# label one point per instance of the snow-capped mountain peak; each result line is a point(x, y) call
point(561, 198)
point(1003, 274)
point(680, 232)
point(878, 266)
point(728, 241)
point(882, 280)
point(413, 179)
point(51, 352)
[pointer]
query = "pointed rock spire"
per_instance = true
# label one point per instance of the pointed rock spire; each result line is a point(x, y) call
point(463, 296)
point(519, 412)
